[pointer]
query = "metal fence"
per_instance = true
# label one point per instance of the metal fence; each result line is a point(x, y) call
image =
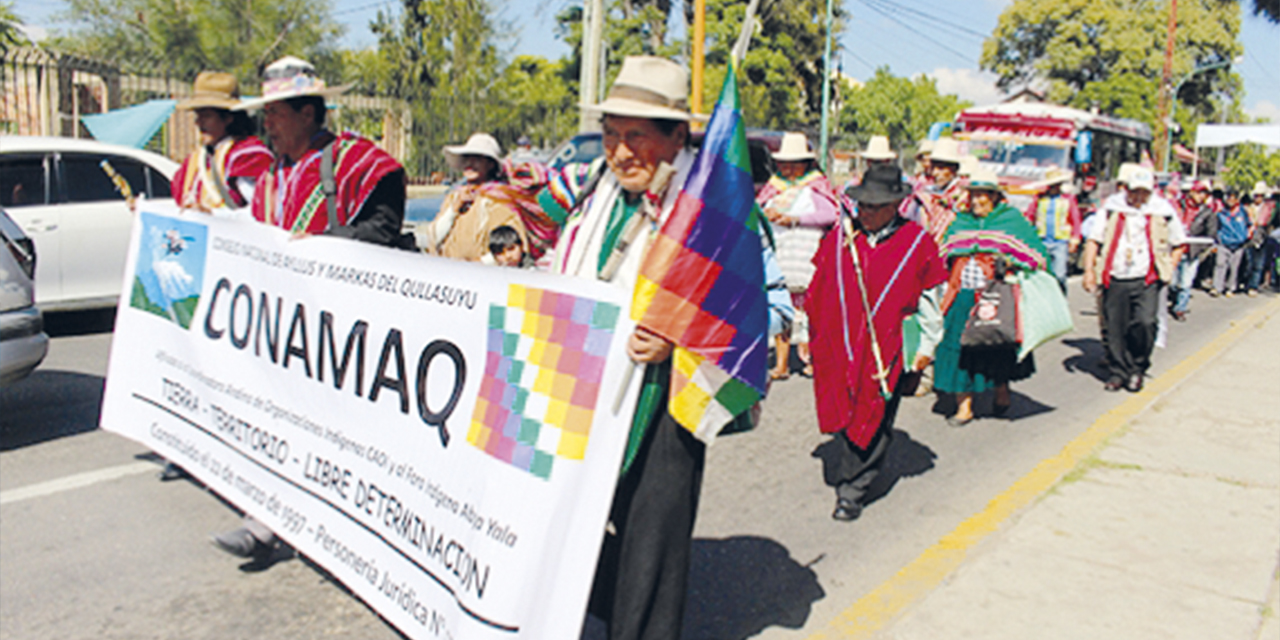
point(43, 93)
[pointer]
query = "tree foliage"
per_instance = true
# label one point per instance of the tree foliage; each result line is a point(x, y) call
point(1248, 164)
point(181, 38)
point(1110, 53)
point(10, 34)
point(900, 108)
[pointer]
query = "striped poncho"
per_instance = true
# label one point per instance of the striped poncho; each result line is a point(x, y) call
point(1003, 232)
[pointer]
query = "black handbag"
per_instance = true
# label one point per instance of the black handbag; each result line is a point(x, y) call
point(995, 321)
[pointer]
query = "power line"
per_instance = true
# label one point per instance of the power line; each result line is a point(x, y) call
point(363, 7)
point(912, 29)
point(943, 22)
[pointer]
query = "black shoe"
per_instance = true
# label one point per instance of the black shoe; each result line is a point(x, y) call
point(846, 510)
point(172, 472)
point(1135, 383)
point(1114, 384)
point(999, 410)
point(240, 543)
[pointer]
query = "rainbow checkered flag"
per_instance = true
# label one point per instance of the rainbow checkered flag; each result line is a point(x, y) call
point(702, 283)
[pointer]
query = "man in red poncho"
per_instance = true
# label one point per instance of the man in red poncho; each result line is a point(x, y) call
point(883, 267)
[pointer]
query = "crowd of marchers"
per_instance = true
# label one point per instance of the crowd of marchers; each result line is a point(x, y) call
point(894, 285)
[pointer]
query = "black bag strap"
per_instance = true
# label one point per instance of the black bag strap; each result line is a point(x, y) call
point(328, 185)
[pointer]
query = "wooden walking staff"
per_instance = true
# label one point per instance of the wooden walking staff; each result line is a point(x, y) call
point(882, 373)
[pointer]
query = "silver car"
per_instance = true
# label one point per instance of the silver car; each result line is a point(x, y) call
point(23, 342)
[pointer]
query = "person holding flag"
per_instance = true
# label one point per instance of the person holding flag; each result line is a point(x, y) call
point(873, 271)
point(635, 222)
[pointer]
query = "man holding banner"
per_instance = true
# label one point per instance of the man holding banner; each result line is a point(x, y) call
point(359, 188)
point(632, 223)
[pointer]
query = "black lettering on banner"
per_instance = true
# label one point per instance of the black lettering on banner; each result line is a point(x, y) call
point(397, 384)
point(209, 331)
point(433, 418)
point(241, 342)
point(264, 326)
point(303, 351)
point(356, 336)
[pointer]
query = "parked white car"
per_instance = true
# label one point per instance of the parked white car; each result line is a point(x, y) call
point(58, 192)
point(23, 342)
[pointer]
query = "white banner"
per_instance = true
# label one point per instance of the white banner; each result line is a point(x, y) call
point(438, 435)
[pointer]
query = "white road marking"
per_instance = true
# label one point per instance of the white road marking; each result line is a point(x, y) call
point(76, 481)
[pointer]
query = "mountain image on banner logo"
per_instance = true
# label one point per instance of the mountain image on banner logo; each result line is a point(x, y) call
point(170, 269)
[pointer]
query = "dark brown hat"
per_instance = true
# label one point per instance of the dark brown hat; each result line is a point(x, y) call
point(880, 185)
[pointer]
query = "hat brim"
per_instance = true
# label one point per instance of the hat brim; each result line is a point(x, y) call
point(208, 102)
point(795, 157)
point(453, 154)
point(259, 102)
point(878, 194)
point(637, 109)
point(983, 185)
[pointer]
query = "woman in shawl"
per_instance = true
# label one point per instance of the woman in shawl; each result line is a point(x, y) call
point(990, 234)
point(801, 205)
point(221, 174)
point(494, 193)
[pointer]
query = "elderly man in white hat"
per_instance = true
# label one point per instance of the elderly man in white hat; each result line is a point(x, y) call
point(361, 187)
point(1056, 217)
point(801, 204)
point(1130, 256)
point(612, 212)
point(935, 205)
point(469, 213)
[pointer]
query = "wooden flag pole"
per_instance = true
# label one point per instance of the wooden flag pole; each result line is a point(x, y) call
point(699, 53)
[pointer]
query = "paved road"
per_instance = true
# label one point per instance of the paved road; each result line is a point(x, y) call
point(109, 552)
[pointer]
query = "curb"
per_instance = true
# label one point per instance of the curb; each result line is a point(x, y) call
point(877, 609)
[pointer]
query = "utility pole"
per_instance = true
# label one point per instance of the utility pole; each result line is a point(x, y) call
point(591, 69)
point(826, 93)
point(1165, 87)
point(699, 53)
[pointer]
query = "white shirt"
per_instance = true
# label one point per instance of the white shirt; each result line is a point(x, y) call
point(1133, 247)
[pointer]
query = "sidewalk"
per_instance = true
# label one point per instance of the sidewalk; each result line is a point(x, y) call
point(1170, 530)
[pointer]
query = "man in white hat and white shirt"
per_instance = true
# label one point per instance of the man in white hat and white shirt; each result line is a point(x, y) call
point(367, 194)
point(610, 218)
point(1139, 244)
point(461, 229)
point(362, 192)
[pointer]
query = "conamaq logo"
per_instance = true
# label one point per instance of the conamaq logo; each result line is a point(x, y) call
point(234, 313)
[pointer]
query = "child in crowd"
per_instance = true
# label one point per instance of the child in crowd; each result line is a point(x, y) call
point(506, 248)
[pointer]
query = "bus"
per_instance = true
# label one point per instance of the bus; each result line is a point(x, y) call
point(1025, 139)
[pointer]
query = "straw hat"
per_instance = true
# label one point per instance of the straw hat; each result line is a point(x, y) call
point(924, 148)
point(794, 148)
point(290, 77)
point(479, 144)
point(968, 164)
point(648, 87)
point(213, 90)
point(946, 150)
point(984, 179)
point(1260, 189)
point(878, 149)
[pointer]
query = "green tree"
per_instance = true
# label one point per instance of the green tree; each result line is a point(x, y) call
point(538, 102)
point(10, 33)
point(181, 38)
point(900, 108)
point(1248, 164)
point(442, 56)
point(1110, 54)
point(780, 79)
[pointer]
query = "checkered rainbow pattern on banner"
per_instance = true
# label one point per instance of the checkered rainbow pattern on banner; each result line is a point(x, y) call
point(542, 375)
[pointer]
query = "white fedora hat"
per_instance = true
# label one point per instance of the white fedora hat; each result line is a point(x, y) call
point(924, 148)
point(968, 166)
point(479, 144)
point(648, 87)
point(290, 77)
point(984, 178)
point(878, 149)
point(794, 148)
point(946, 150)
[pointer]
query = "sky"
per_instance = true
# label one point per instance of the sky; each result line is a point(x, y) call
point(948, 50)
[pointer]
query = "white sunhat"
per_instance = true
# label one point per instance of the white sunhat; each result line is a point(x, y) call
point(968, 165)
point(479, 144)
point(1260, 188)
point(1141, 178)
point(794, 148)
point(648, 87)
point(290, 77)
point(984, 178)
point(924, 148)
point(946, 150)
point(878, 149)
